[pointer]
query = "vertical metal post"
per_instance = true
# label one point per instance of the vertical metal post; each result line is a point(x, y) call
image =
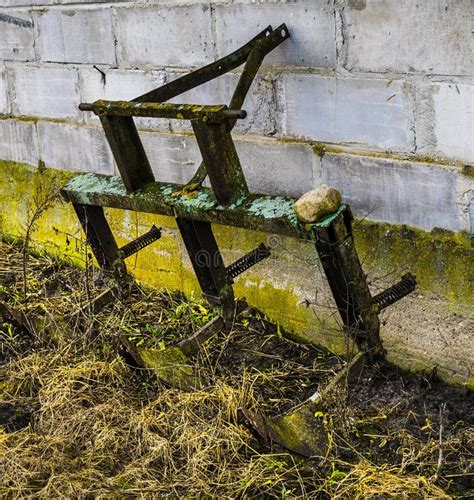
point(208, 264)
point(100, 238)
point(335, 246)
point(128, 151)
point(221, 160)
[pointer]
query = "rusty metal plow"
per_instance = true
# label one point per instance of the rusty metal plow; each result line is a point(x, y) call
point(228, 202)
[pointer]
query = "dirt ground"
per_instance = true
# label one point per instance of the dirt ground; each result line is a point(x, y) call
point(78, 421)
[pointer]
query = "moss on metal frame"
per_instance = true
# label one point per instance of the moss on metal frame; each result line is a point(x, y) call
point(272, 214)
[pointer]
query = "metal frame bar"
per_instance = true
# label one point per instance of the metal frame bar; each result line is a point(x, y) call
point(101, 240)
point(227, 202)
point(205, 257)
point(341, 265)
point(128, 151)
point(131, 160)
point(215, 69)
point(222, 161)
point(211, 114)
point(271, 214)
point(212, 126)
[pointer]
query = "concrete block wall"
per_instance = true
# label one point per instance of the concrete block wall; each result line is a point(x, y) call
point(375, 97)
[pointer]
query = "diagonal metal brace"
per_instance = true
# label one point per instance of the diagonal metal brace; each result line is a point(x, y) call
point(217, 68)
point(227, 202)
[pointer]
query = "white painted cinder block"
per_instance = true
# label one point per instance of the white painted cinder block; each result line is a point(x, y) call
point(370, 112)
point(270, 167)
point(402, 192)
point(73, 147)
point(173, 158)
point(45, 91)
point(18, 141)
point(76, 36)
point(310, 22)
point(259, 103)
point(4, 101)
point(120, 85)
point(454, 120)
point(26, 3)
point(406, 36)
point(177, 35)
point(278, 168)
point(31, 3)
point(16, 36)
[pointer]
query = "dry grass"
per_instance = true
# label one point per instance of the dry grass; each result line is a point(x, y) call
point(101, 429)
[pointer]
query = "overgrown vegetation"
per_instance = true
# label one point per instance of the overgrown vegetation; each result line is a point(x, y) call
point(77, 421)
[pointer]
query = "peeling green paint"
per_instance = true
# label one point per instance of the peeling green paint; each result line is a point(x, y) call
point(272, 208)
point(268, 213)
point(87, 182)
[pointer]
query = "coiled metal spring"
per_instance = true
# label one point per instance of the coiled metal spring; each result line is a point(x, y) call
point(389, 296)
point(141, 242)
point(248, 260)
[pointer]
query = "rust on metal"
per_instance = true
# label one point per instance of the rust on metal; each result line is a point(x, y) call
point(211, 114)
point(228, 202)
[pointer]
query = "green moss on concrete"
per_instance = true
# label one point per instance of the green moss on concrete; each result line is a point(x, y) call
point(321, 148)
point(410, 365)
point(284, 306)
point(59, 232)
point(21, 186)
point(35, 119)
point(468, 170)
point(442, 261)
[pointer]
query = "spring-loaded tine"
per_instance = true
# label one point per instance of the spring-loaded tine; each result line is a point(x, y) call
point(396, 292)
point(248, 260)
point(141, 242)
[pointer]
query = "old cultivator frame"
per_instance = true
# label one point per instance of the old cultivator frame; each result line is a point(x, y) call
point(228, 202)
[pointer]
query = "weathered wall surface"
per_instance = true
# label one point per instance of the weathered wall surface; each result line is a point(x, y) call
point(375, 76)
point(374, 97)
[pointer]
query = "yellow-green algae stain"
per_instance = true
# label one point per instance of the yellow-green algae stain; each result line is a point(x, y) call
point(468, 170)
point(321, 148)
point(442, 261)
point(301, 431)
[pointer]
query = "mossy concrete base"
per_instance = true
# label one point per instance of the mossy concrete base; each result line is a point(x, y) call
point(442, 261)
point(289, 287)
